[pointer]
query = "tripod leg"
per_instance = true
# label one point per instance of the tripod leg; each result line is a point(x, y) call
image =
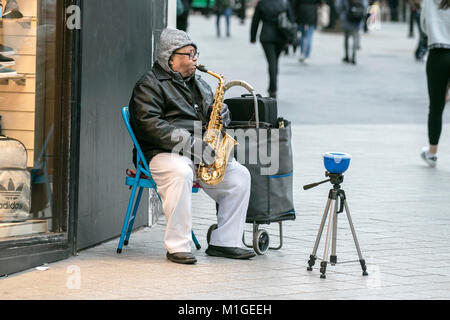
point(361, 260)
point(312, 257)
point(333, 256)
point(323, 264)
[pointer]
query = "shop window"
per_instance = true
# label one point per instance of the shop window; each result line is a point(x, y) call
point(30, 120)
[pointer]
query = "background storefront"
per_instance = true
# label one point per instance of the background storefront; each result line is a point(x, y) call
point(60, 98)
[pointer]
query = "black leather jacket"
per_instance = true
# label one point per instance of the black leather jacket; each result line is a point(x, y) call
point(163, 102)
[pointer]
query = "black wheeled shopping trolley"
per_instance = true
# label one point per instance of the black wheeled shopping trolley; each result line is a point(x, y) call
point(265, 150)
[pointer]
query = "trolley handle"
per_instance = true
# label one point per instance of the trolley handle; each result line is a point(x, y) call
point(250, 89)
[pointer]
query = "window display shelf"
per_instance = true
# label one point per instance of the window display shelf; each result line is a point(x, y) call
point(17, 229)
point(20, 80)
point(24, 22)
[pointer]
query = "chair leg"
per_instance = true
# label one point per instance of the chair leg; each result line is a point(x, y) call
point(194, 238)
point(127, 217)
point(133, 216)
point(48, 188)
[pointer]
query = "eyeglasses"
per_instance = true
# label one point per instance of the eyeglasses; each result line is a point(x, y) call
point(190, 54)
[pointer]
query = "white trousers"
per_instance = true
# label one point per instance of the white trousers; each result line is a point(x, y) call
point(174, 176)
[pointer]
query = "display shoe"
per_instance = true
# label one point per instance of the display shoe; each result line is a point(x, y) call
point(6, 72)
point(6, 51)
point(6, 61)
point(12, 10)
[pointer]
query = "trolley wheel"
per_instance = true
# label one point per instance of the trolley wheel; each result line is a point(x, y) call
point(261, 241)
point(210, 230)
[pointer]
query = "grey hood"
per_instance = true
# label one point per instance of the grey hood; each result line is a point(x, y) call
point(171, 39)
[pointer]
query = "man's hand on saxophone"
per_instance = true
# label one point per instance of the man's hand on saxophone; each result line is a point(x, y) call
point(202, 152)
point(225, 114)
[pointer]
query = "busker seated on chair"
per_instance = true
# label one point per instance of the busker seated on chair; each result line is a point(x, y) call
point(163, 108)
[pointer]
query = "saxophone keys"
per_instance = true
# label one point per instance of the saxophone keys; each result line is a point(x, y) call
point(206, 176)
point(218, 163)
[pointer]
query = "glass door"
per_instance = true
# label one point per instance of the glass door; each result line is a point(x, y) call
point(33, 125)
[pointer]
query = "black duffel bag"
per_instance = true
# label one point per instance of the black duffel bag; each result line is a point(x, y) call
point(243, 109)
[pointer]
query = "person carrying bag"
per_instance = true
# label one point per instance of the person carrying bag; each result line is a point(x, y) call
point(273, 40)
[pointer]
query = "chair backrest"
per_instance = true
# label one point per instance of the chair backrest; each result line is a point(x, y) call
point(140, 158)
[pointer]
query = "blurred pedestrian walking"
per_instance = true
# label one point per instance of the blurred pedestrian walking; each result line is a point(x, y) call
point(223, 8)
point(293, 37)
point(272, 39)
point(305, 12)
point(242, 7)
point(368, 14)
point(352, 14)
point(393, 9)
point(435, 22)
point(421, 50)
point(183, 16)
point(333, 15)
point(411, 21)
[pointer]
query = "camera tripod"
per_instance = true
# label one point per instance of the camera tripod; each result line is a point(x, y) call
point(332, 211)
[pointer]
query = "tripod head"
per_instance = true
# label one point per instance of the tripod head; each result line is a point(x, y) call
point(335, 178)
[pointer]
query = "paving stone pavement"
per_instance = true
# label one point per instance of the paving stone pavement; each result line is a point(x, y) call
point(398, 204)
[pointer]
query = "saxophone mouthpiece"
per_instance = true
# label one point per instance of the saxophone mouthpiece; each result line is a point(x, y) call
point(202, 68)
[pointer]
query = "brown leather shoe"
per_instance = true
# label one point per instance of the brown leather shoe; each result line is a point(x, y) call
point(229, 252)
point(182, 257)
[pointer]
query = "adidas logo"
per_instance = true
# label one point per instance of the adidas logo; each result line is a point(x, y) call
point(9, 196)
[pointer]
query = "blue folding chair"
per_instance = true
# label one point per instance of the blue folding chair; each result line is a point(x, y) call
point(142, 179)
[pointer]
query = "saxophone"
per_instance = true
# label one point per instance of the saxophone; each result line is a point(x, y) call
point(214, 173)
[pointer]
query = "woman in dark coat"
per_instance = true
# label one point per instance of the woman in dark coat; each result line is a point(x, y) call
point(306, 17)
point(272, 39)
